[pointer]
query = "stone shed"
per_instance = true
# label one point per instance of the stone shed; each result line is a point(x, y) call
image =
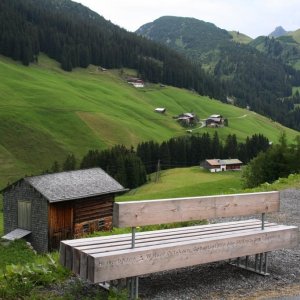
point(53, 207)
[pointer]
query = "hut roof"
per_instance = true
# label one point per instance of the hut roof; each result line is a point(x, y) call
point(74, 184)
point(231, 161)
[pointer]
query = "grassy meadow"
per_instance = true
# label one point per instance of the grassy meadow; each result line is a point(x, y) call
point(1, 216)
point(240, 37)
point(46, 113)
point(296, 35)
point(186, 182)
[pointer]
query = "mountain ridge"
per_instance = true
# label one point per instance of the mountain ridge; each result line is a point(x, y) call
point(278, 31)
point(76, 37)
point(253, 77)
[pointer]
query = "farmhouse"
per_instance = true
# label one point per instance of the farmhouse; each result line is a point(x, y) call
point(187, 119)
point(218, 165)
point(136, 82)
point(54, 207)
point(214, 121)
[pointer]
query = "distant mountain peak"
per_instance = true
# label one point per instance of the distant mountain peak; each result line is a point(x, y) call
point(279, 31)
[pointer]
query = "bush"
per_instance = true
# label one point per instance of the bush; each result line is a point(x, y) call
point(16, 252)
point(278, 161)
point(18, 281)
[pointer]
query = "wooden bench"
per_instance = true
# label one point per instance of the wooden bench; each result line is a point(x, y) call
point(108, 258)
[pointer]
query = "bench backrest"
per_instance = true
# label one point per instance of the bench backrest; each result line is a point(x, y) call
point(151, 212)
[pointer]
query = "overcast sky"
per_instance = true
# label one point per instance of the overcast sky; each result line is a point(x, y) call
point(252, 17)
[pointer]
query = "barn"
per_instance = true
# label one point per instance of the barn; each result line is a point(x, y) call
point(49, 208)
point(219, 165)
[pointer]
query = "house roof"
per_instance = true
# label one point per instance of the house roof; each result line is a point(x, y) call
point(189, 115)
point(219, 162)
point(74, 184)
point(214, 119)
point(231, 161)
point(213, 162)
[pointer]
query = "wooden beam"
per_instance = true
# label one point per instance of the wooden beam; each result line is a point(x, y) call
point(118, 242)
point(136, 262)
point(84, 241)
point(146, 260)
point(161, 239)
point(80, 255)
point(148, 212)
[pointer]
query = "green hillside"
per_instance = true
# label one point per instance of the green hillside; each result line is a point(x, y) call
point(240, 37)
point(186, 182)
point(46, 113)
point(194, 38)
point(296, 35)
point(192, 182)
point(286, 47)
point(252, 76)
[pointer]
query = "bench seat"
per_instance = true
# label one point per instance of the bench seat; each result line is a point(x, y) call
point(105, 258)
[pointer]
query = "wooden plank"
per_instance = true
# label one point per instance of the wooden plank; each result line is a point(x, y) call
point(69, 257)
point(136, 262)
point(141, 213)
point(83, 266)
point(146, 234)
point(77, 254)
point(102, 247)
point(60, 223)
point(62, 254)
point(93, 208)
point(93, 215)
point(123, 244)
point(85, 241)
point(102, 244)
point(112, 241)
point(16, 234)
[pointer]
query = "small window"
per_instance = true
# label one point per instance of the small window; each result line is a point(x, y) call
point(86, 228)
point(24, 215)
point(101, 224)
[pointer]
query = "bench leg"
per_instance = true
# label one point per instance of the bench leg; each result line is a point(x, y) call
point(260, 264)
point(133, 288)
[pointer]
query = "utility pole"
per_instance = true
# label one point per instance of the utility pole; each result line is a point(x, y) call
point(157, 171)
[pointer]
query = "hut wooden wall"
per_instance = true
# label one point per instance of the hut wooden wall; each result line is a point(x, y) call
point(76, 218)
point(94, 214)
point(93, 208)
point(60, 222)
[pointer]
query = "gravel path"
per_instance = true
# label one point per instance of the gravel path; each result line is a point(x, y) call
point(222, 281)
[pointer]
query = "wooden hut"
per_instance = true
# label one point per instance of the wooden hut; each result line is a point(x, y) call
point(53, 207)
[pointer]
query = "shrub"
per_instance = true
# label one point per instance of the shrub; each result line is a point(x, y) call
point(19, 280)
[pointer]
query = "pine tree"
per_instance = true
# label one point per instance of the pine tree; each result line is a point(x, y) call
point(70, 163)
point(55, 167)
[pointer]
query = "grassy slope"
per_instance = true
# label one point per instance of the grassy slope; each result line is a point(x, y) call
point(1, 216)
point(189, 182)
point(186, 182)
point(46, 113)
point(240, 37)
point(296, 35)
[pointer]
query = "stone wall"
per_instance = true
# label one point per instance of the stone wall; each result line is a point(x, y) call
point(39, 213)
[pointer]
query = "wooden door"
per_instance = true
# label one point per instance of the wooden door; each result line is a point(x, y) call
point(60, 223)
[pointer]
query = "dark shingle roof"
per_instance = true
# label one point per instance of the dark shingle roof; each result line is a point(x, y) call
point(74, 184)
